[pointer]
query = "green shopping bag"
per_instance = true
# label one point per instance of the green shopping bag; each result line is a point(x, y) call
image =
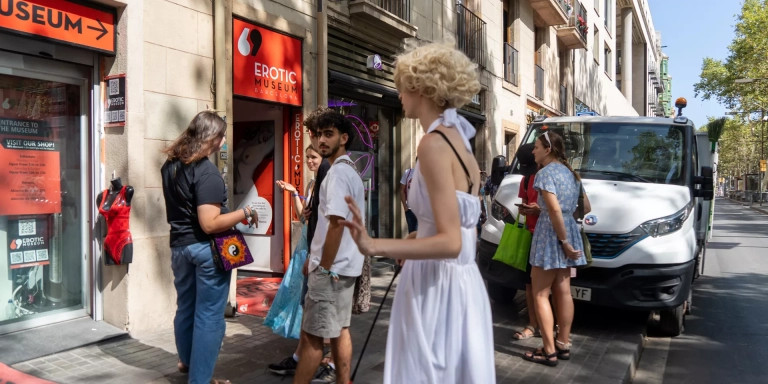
point(515, 245)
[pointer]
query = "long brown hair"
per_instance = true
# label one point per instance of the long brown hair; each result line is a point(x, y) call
point(201, 137)
point(557, 149)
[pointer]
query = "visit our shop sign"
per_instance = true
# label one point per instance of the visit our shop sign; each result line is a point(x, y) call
point(266, 64)
point(89, 26)
point(29, 167)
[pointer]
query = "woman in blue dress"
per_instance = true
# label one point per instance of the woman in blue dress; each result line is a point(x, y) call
point(284, 316)
point(555, 248)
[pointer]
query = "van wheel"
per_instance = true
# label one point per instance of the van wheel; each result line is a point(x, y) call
point(672, 320)
point(501, 294)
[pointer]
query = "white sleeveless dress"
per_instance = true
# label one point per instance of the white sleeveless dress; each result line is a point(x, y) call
point(440, 329)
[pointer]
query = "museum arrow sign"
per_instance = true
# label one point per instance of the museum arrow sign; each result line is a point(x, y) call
point(88, 26)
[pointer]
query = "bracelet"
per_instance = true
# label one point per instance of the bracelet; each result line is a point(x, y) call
point(330, 273)
point(245, 212)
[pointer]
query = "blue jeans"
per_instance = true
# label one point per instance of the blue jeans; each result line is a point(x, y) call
point(201, 296)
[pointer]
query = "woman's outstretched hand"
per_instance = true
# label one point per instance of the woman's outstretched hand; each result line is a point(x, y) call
point(286, 186)
point(357, 228)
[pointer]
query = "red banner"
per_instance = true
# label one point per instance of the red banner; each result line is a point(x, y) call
point(266, 64)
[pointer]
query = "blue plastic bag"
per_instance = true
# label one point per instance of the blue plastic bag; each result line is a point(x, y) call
point(284, 316)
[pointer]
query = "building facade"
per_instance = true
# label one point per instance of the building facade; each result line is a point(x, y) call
point(98, 92)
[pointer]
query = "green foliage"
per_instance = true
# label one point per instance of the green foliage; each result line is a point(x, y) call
point(748, 60)
point(715, 129)
point(738, 149)
point(740, 139)
point(715, 82)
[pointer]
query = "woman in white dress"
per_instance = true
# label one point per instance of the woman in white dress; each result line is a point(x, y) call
point(440, 329)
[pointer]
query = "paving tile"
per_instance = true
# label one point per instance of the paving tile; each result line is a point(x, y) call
point(249, 347)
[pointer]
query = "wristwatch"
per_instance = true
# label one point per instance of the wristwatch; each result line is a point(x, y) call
point(562, 242)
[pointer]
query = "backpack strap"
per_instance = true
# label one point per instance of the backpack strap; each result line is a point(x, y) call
point(350, 163)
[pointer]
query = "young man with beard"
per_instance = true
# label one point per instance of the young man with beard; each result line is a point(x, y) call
point(288, 365)
point(334, 261)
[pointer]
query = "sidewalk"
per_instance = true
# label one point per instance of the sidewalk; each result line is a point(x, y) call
point(600, 354)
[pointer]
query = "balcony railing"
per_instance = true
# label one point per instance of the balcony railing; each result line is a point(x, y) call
point(510, 64)
point(470, 34)
point(399, 8)
point(582, 25)
point(391, 16)
point(539, 80)
point(563, 98)
point(574, 34)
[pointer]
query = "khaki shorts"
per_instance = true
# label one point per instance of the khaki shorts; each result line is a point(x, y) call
point(328, 305)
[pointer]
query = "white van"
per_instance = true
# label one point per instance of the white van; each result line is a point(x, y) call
point(648, 225)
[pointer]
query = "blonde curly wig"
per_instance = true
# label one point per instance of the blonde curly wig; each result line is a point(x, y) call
point(437, 71)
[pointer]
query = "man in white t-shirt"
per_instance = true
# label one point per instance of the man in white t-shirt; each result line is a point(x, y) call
point(405, 185)
point(334, 261)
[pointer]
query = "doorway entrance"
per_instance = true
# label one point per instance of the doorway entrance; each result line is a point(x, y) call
point(257, 150)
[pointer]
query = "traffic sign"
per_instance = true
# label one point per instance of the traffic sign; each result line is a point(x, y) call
point(88, 26)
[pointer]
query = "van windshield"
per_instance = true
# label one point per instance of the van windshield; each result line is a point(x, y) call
point(648, 153)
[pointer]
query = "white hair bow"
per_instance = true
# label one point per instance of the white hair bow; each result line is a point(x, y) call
point(451, 118)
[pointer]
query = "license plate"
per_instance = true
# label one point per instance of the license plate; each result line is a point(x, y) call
point(583, 294)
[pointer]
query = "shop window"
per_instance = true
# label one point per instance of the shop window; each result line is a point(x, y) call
point(41, 214)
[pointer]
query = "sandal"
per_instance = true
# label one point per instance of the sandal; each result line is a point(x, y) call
point(541, 357)
point(182, 367)
point(527, 332)
point(220, 381)
point(563, 353)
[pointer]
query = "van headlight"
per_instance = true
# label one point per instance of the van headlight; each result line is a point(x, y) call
point(666, 225)
point(498, 211)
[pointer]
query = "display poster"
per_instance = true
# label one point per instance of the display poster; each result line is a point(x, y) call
point(28, 242)
point(30, 174)
point(254, 162)
point(266, 64)
point(114, 109)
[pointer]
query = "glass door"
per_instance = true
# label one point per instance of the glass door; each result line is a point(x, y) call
point(43, 179)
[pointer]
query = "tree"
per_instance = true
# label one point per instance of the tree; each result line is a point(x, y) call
point(738, 153)
point(748, 60)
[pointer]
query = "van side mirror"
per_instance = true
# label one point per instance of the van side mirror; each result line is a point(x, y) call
point(706, 184)
point(498, 168)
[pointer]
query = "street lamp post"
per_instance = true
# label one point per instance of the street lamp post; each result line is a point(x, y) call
point(761, 166)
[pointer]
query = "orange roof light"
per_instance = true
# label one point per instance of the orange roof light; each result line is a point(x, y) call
point(680, 103)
